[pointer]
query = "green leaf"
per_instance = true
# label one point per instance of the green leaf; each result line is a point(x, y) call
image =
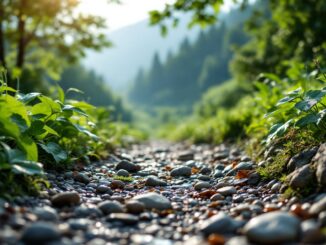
point(85, 131)
point(55, 150)
point(20, 121)
point(51, 130)
point(278, 130)
point(4, 88)
point(27, 167)
point(28, 97)
point(315, 94)
point(36, 128)
point(61, 94)
point(285, 100)
point(306, 105)
point(308, 119)
point(74, 109)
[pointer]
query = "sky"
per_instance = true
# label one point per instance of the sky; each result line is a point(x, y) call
point(127, 13)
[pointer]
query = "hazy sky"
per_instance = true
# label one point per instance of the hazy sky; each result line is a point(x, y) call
point(127, 13)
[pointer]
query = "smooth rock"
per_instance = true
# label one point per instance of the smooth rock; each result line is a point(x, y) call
point(135, 207)
point(46, 213)
point(202, 185)
point(272, 228)
point(318, 207)
point(127, 219)
point(123, 173)
point(40, 233)
point(181, 171)
point(186, 156)
point(311, 232)
point(152, 200)
point(126, 165)
point(108, 207)
point(117, 184)
point(301, 159)
point(220, 224)
point(301, 177)
point(83, 178)
point(227, 190)
point(65, 199)
point(154, 181)
point(320, 163)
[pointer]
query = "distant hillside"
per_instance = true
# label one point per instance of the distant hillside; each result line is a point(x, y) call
point(134, 47)
point(181, 79)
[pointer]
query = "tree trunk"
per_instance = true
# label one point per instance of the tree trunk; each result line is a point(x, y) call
point(21, 36)
point(2, 38)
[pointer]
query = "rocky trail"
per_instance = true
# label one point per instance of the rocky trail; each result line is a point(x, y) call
point(164, 194)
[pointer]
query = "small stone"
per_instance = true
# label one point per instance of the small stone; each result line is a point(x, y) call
point(154, 181)
point(40, 233)
point(218, 173)
point(253, 178)
point(301, 177)
point(127, 219)
point(311, 232)
point(205, 171)
point(152, 200)
point(126, 165)
point(117, 184)
point(276, 187)
point(217, 197)
point(83, 178)
point(108, 207)
point(202, 185)
point(301, 159)
point(318, 207)
point(181, 171)
point(78, 224)
point(186, 156)
point(320, 163)
point(135, 207)
point(220, 223)
point(123, 173)
point(46, 214)
point(66, 199)
point(103, 189)
point(273, 228)
point(227, 190)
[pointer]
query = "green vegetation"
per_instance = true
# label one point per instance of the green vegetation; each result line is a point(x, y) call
point(123, 178)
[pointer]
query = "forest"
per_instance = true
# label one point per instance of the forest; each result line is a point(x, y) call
point(221, 141)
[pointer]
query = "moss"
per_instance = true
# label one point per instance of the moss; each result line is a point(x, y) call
point(124, 179)
point(292, 143)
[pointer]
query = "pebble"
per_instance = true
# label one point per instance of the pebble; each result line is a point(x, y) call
point(202, 185)
point(66, 199)
point(154, 181)
point(123, 173)
point(219, 224)
point(127, 219)
point(227, 190)
point(135, 207)
point(108, 207)
point(83, 178)
point(46, 214)
point(181, 171)
point(127, 165)
point(40, 233)
point(274, 227)
point(153, 200)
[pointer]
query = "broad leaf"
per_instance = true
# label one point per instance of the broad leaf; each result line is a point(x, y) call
point(306, 105)
point(308, 119)
point(74, 109)
point(27, 167)
point(26, 98)
point(55, 150)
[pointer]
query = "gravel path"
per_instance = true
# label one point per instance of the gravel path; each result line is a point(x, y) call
point(164, 194)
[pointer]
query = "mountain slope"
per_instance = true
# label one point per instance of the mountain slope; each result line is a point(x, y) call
point(133, 49)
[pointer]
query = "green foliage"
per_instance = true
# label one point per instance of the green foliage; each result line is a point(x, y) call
point(123, 178)
point(95, 91)
point(38, 37)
